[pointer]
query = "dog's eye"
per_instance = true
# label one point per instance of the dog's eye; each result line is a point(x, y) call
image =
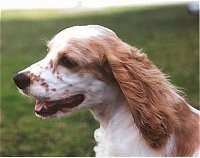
point(64, 61)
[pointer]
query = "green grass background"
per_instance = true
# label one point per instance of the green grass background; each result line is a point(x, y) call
point(169, 35)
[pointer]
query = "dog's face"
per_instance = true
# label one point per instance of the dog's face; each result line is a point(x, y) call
point(68, 78)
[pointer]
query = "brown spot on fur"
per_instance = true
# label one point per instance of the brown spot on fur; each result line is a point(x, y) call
point(34, 77)
point(59, 77)
point(53, 89)
point(51, 64)
point(45, 85)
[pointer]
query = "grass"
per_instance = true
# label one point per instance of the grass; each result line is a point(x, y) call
point(169, 35)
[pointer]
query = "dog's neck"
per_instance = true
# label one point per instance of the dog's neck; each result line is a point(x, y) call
point(118, 134)
point(104, 113)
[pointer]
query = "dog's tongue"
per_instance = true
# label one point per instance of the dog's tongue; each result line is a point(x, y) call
point(39, 105)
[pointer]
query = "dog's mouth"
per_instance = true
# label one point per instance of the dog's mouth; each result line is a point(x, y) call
point(48, 108)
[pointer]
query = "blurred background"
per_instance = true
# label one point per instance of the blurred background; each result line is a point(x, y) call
point(166, 30)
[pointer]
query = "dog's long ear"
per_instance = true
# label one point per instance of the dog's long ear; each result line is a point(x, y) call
point(144, 88)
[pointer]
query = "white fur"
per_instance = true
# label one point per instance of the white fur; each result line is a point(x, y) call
point(59, 42)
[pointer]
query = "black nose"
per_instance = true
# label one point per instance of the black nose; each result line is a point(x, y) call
point(21, 80)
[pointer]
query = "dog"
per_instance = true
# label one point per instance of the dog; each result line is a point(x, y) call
point(140, 112)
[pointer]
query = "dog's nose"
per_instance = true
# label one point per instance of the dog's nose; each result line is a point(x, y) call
point(21, 80)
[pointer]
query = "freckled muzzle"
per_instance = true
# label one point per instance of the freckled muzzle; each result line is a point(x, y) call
point(47, 108)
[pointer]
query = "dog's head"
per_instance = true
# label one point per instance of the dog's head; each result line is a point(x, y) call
point(72, 75)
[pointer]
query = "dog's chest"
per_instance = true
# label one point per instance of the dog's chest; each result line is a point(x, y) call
point(100, 148)
point(120, 143)
point(106, 144)
point(112, 144)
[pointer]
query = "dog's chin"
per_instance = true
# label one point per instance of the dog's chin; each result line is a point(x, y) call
point(57, 108)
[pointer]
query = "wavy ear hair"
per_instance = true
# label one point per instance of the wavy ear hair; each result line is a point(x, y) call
point(147, 92)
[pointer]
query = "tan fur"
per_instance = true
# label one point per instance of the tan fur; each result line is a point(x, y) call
point(156, 107)
point(188, 132)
